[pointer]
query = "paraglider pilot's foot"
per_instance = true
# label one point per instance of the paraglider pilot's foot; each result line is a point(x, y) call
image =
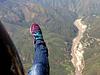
point(36, 32)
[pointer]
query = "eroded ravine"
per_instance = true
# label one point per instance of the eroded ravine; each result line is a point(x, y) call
point(77, 48)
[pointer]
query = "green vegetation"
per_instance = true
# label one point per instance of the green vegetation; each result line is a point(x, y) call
point(57, 29)
point(59, 63)
point(56, 18)
point(92, 51)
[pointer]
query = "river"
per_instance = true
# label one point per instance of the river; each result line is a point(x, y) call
point(77, 48)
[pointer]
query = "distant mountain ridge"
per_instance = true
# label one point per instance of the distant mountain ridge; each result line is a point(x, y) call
point(80, 7)
point(25, 12)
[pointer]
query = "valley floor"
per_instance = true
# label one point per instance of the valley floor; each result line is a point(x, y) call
point(77, 48)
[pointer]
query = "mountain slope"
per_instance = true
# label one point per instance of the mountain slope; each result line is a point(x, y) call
point(91, 42)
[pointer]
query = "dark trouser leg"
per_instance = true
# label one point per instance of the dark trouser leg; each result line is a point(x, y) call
point(41, 63)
